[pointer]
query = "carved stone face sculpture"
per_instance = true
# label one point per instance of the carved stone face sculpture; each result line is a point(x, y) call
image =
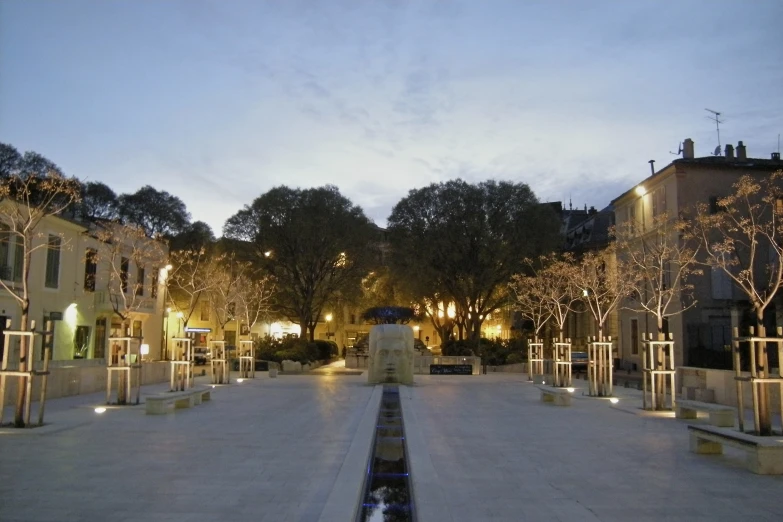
point(391, 354)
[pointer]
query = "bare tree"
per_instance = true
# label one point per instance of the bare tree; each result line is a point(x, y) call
point(255, 293)
point(194, 274)
point(559, 277)
point(530, 291)
point(603, 286)
point(122, 249)
point(744, 239)
point(663, 263)
point(26, 200)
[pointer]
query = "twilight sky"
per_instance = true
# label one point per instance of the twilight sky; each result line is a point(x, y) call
point(217, 102)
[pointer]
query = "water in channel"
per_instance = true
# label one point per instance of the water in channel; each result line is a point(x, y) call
point(387, 495)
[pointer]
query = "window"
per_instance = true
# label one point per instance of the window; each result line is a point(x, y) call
point(81, 342)
point(632, 218)
point(124, 268)
point(53, 262)
point(90, 269)
point(154, 283)
point(204, 310)
point(137, 332)
point(18, 258)
point(139, 280)
point(721, 283)
point(99, 342)
point(659, 201)
point(634, 336)
point(5, 250)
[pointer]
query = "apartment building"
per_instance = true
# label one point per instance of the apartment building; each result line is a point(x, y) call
point(89, 280)
point(702, 331)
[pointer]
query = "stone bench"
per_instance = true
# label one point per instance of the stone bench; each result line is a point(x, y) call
point(764, 454)
point(557, 396)
point(160, 404)
point(720, 415)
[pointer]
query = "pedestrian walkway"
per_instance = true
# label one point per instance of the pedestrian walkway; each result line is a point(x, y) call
point(294, 448)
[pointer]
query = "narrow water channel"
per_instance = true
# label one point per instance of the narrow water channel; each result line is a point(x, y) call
point(387, 494)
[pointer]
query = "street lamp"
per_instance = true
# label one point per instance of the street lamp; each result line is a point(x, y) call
point(328, 328)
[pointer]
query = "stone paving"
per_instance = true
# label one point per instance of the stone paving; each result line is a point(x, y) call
point(294, 448)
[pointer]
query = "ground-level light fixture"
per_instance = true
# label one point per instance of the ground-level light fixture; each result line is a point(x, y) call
point(614, 400)
point(240, 380)
point(570, 390)
point(100, 410)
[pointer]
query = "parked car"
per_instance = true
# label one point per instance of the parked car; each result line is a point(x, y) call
point(579, 362)
point(200, 355)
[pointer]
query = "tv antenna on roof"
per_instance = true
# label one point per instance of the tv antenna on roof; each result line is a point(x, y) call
point(679, 150)
point(716, 118)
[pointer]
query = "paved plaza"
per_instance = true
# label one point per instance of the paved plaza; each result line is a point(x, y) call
point(295, 448)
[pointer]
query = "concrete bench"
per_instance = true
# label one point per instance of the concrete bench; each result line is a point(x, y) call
point(764, 454)
point(557, 396)
point(166, 402)
point(720, 415)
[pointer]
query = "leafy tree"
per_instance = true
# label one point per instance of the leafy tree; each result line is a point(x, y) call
point(99, 202)
point(10, 160)
point(157, 212)
point(27, 198)
point(743, 240)
point(389, 315)
point(314, 242)
point(469, 240)
point(195, 236)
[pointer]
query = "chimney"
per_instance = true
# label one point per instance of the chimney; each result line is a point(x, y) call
point(687, 148)
point(729, 151)
point(741, 154)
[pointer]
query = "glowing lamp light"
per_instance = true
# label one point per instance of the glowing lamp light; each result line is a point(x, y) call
point(570, 390)
point(213, 386)
point(328, 317)
point(100, 410)
point(640, 191)
point(614, 400)
point(240, 380)
point(145, 349)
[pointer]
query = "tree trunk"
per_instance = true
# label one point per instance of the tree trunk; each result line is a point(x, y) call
point(765, 422)
point(24, 349)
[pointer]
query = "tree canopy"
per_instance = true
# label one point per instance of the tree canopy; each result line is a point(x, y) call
point(155, 211)
point(315, 242)
point(99, 202)
point(467, 240)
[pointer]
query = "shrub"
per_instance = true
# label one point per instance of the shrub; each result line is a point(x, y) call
point(295, 349)
point(515, 358)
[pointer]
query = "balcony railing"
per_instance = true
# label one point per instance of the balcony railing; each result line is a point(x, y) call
point(104, 300)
